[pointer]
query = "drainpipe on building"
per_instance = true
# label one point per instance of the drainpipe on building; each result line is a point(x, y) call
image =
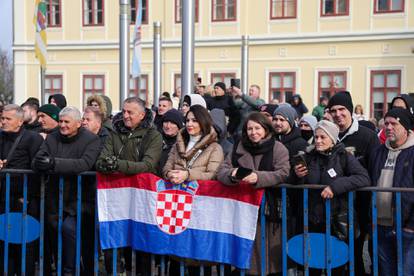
point(124, 20)
point(187, 49)
point(157, 62)
point(245, 64)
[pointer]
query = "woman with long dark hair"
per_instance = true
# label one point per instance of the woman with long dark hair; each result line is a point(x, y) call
point(261, 161)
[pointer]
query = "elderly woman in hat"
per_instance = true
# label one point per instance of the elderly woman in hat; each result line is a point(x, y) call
point(328, 163)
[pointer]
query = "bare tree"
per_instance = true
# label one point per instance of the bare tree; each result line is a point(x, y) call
point(6, 78)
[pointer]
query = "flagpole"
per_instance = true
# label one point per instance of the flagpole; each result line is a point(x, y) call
point(123, 50)
point(42, 85)
point(187, 48)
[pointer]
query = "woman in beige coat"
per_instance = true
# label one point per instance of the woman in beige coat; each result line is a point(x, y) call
point(258, 159)
point(196, 154)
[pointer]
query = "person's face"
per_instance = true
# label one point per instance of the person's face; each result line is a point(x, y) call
point(192, 125)
point(399, 103)
point(94, 104)
point(201, 90)
point(91, 123)
point(170, 129)
point(68, 126)
point(255, 132)
point(322, 141)
point(396, 134)
point(218, 91)
point(254, 92)
point(341, 116)
point(304, 126)
point(46, 121)
point(184, 108)
point(163, 106)
point(132, 114)
point(281, 125)
point(327, 115)
point(268, 116)
point(11, 122)
point(29, 114)
point(52, 101)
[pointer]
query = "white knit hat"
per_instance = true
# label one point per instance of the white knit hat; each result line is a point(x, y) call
point(329, 128)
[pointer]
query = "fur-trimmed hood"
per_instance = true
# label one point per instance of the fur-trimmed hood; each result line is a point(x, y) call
point(204, 142)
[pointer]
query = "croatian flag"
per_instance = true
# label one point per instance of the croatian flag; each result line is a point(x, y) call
point(202, 220)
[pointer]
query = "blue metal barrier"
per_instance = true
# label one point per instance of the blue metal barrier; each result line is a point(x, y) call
point(160, 266)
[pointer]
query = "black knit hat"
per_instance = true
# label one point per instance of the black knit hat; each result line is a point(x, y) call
point(222, 85)
point(403, 116)
point(174, 116)
point(342, 98)
point(51, 110)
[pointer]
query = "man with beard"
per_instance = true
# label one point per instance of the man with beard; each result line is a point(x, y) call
point(164, 104)
point(30, 108)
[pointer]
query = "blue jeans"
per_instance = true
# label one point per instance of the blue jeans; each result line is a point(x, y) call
point(387, 251)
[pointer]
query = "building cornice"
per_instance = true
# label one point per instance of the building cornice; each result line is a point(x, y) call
point(234, 41)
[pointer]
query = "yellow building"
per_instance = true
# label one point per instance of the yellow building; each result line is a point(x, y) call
point(309, 47)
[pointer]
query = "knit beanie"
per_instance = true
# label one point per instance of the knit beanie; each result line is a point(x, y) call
point(287, 112)
point(329, 128)
point(268, 108)
point(174, 116)
point(222, 85)
point(310, 120)
point(403, 116)
point(51, 110)
point(342, 98)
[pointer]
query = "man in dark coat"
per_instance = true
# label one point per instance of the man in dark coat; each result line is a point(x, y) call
point(392, 165)
point(27, 144)
point(361, 141)
point(66, 153)
point(221, 100)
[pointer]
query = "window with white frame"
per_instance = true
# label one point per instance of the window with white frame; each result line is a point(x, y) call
point(138, 87)
point(222, 77)
point(388, 6)
point(385, 85)
point(281, 9)
point(224, 10)
point(93, 12)
point(53, 85)
point(53, 13)
point(282, 86)
point(93, 85)
point(331, 82)
point(334, 7)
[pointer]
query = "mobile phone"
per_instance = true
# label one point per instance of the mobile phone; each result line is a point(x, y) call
point(299, 159)
point(235, 82)
point(242, 173)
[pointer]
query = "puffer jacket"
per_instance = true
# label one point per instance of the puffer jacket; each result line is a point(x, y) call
point(337, 169)
point(205, 166)
point(137, 150)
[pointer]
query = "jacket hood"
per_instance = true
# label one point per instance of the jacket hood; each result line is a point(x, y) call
point(59, 99)
point(219, 119)
point(409, 102)
point(119, 126)
point(194, 99)
point(108, 104)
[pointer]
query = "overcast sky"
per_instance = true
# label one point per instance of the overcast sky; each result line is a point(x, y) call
point(6, 35)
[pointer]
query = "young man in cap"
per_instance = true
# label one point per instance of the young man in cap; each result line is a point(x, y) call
point(172, 122)
point(392, 165)
point(48, 115)
point(361, 141)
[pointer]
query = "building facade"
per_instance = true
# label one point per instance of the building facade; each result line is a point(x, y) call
point(306, 47)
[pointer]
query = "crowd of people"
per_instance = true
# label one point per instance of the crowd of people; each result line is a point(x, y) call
point(224, 135)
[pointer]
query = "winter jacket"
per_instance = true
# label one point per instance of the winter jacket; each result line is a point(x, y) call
point(265, 178)
point(167, 143)
point(246, 105)
point(318, 111)
point(205, 166)
point(21, 159)
point(72, 156)
point(35, 126)
point(137, 150)
point(293, 141)
point(337, 169)
point(403, 178)
point(300, 107)
point(226, 103)
point(219, 119)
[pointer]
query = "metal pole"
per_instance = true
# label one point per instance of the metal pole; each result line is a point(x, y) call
point(187, 49)
point(42, 86)
point(124, 20)
point(157, 62)
point(245, 64)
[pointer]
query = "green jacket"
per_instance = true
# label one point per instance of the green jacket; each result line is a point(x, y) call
point(318, 111)
point(138, 150)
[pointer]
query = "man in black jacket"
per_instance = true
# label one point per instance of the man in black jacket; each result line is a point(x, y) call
point(18, 147)
point(30, 108)
point(361, 141)
point(66, 153)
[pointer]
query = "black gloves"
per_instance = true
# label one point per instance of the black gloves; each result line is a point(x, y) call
point(44, 162)
point(109, 164)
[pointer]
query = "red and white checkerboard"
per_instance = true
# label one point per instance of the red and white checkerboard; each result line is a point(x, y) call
point(173, 211)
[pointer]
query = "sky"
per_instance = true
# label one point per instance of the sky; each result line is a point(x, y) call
point(6, 32)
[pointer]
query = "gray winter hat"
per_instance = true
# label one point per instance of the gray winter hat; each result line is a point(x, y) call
point(310, 120)
point(329, 128)
point(287, 112)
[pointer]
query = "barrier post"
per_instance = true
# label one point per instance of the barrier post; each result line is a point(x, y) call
point(328, 248)
point(284, 233)
point(24, 220)
point(351, 233)
point(399, 234)
point(374, 232)
point(306, 251)
point(6, 227)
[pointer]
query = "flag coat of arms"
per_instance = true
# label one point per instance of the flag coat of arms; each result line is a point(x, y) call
point(202, 220)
